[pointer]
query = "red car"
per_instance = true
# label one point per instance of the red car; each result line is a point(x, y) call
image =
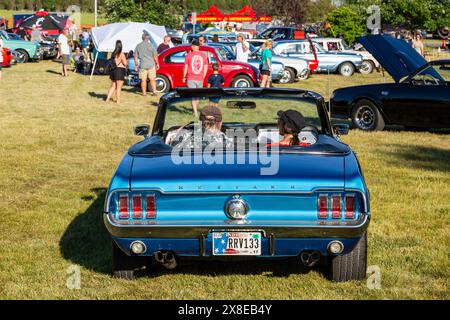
point(7, 58)
point(171, 62)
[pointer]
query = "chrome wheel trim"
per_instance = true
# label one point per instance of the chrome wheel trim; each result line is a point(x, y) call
point(366, 67)
point(242, 83)
point(161, 84)
point(20, 57)
point(285, 76)
point(347, 70)
point(365, 118)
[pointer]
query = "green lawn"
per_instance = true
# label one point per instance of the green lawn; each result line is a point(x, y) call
point(60, 144)
point(86, 17)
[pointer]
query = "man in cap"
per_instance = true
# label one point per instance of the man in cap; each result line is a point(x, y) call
point(148, 57)
point(208, 134)
point(194, 70)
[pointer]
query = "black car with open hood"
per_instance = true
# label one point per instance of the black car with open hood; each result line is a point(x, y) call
point(419, 97)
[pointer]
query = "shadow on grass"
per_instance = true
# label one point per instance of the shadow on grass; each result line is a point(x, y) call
point(87, 243)
point(101, 96)
point(53, 72)
point(422, 157)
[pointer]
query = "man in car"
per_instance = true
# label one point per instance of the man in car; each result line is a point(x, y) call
point(208, 134)
point(194, 70)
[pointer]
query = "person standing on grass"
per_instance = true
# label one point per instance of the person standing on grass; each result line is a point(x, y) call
point(215, 80)
point(417, 44)
point(36, 34)
point(265, 65)
point(165, 45)
point(84, 40)
point(194, 70)
point(146, 55)
point(1, 57)
point(242, 49)
point(64, 51)
point(117, 73)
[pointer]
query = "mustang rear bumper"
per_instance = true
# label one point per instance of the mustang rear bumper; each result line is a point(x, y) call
point(279, 238)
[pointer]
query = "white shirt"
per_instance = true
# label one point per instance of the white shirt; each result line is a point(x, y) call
point(242, 56)
point(63, 44)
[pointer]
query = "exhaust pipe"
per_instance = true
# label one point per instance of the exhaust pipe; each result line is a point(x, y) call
point(159, 256)
point(309, 258)
point(166, 259)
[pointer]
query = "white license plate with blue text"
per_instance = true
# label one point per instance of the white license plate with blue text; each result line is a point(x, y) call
point(237, 243)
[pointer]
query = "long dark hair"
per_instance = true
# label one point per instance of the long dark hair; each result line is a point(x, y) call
point(286, 129)
point(118, 50)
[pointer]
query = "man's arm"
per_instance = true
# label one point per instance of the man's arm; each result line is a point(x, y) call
point(155, 57)
point(185, 71)
point(136, 62)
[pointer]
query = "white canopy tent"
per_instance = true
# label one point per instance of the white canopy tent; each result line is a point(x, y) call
point(130, 33)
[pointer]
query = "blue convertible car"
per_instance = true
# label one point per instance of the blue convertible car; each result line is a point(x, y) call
point(186, 192)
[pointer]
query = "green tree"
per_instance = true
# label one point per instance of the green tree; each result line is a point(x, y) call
point(346, 23)
point(154, 11)
point(318, 10)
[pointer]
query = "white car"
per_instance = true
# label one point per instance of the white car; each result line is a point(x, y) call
point(338, 44)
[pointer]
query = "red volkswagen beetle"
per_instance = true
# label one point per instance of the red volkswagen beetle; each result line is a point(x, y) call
point(7, 57)
point(171, 61)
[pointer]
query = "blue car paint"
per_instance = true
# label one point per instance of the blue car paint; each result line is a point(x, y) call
point(178, 190)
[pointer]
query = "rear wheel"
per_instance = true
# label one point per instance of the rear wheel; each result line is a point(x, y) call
point(367, 117)
point(124, 266)
point(162, 83)
point(22, 56)
point(287, 76)
point(304, 75)
point(242, 81)
point(367, 67)
point(352, 265)
point(347, 69)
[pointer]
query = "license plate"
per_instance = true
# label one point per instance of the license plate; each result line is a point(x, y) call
point(237, 243)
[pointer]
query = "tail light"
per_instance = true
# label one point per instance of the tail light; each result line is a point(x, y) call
point(322, 206)
point(137, 206)
point(350, 206)
point(151, 207)
point(124, 210)
point(336, 206)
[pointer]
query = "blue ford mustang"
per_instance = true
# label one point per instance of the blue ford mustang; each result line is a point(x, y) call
point(247, 197)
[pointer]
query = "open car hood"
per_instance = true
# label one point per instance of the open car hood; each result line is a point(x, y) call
point(396, 56)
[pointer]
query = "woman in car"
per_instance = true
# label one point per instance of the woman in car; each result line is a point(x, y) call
point(290, 124)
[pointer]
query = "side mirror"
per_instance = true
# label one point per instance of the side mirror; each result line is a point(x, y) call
point(142, 130)
point(341, 129)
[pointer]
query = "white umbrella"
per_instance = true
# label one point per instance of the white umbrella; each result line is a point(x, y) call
point(130, 33)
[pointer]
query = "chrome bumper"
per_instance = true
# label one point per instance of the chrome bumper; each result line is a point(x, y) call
point(276, 229)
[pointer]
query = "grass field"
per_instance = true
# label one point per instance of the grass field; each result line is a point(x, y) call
point(60, 144)
point(86, 17)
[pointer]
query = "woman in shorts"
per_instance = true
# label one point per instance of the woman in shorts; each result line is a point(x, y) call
point(117, 73)
point(265, 65)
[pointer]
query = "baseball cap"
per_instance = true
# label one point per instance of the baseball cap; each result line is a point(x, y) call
point(293, 119)
point(211, 111)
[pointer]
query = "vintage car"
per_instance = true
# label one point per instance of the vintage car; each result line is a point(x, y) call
point(171, 61)
point(339, 45)
point(294, 67)
point(227, 51)
point(343, 63)
point(179, 195)
point(418, 99)
point(26, 50)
